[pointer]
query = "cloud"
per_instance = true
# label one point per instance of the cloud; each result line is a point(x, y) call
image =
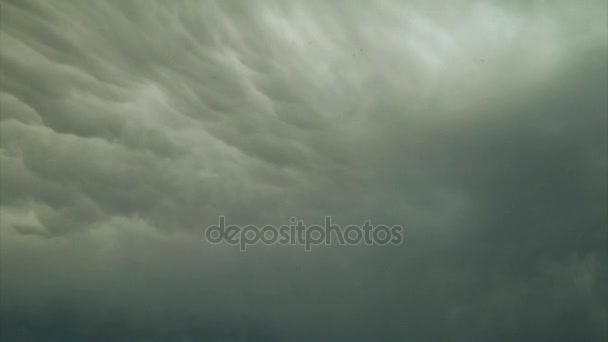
point(129, 127)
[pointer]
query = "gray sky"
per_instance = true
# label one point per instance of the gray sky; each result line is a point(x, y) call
point(128, 127)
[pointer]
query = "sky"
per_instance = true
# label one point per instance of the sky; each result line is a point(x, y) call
point(128, 127)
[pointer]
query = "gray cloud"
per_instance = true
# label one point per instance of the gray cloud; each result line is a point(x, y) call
point(127, 127)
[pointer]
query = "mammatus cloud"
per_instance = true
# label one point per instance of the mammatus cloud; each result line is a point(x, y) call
point(128, 127)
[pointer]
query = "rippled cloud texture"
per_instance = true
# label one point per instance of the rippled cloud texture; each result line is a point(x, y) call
point(128, 127)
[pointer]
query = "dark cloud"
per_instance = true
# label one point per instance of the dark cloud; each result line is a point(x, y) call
point(127, 127)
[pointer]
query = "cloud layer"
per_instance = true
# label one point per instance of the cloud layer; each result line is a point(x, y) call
point(129, 126)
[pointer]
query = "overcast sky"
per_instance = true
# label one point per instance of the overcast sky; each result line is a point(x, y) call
point(128, 127)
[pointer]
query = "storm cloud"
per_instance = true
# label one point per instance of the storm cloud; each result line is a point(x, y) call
point(128, 127)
